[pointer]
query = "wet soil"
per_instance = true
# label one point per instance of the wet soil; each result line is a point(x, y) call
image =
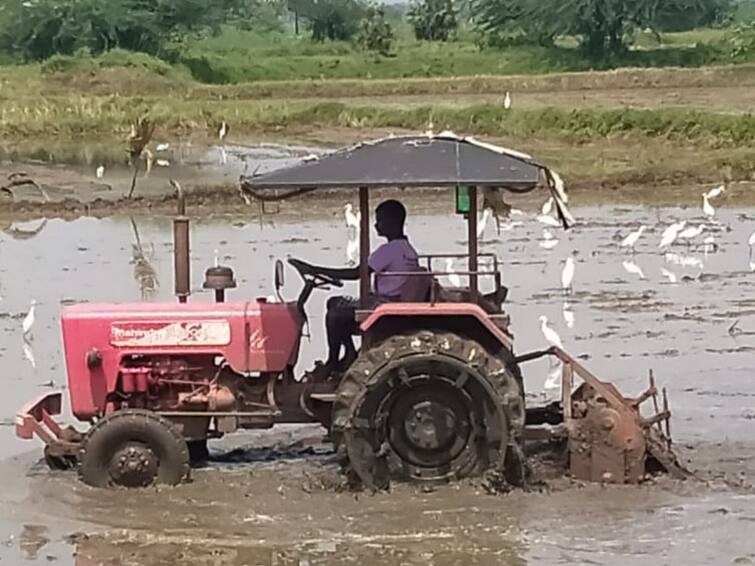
point(47, 183)
point(725, 99)
point(275, 497)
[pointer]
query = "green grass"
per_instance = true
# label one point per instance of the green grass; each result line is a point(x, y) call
point(109, 117)
point(237, 56)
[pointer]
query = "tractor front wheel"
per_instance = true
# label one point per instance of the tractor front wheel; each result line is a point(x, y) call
point(427, 406)
point(133, 448)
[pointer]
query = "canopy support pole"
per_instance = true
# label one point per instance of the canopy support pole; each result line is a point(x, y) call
point(472, 242)
point(364, 248)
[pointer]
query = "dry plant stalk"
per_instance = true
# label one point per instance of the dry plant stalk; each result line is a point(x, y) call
point(140, 136)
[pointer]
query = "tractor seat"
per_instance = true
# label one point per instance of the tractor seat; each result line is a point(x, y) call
point(417, 287)
point(491, 303)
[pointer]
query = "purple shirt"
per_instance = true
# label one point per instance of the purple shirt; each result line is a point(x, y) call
point(395, 255)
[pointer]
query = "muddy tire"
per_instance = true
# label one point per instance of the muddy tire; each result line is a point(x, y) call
point(59, 463)
point(133, 448)
point(427, 407)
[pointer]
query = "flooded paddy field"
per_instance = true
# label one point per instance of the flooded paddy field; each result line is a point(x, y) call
point(274, 497)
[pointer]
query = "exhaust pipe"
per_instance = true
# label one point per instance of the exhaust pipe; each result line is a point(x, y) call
point(181, 247)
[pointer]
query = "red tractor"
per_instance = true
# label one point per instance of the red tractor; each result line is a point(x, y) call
point(436, 392)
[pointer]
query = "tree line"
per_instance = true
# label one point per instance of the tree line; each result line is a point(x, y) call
point(37, 29)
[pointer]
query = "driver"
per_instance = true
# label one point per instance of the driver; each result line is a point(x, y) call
point(395, 255)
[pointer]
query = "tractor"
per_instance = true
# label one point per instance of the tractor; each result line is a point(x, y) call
point(435, 394)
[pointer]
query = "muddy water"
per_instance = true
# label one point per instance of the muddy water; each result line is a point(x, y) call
point(70, 171)
point(279, 505)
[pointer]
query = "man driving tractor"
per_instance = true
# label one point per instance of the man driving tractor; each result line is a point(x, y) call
point(395, 255)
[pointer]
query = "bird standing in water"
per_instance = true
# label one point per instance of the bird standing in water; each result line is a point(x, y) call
point(631, 239)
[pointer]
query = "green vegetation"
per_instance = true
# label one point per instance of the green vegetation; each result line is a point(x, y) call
point(241, 41)
point(333, 20)
point(433, 20)
point(375, 33)
point(605, 27)
point(38, 29)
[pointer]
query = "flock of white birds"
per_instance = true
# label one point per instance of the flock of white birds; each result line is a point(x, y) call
point(99, 172)
point(701, 234)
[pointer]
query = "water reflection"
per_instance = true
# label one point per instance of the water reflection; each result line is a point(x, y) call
point(141, 258)
point(25, 230)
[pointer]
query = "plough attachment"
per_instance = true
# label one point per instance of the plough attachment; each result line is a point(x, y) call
point(608, 439)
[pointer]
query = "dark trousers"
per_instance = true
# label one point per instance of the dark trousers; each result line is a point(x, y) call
point(341, 326)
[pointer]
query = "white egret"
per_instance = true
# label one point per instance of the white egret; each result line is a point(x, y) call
point(507, 100)
point(550, 335)
point(548, 220)
point(715, 192)
point(453, 277)
point(708, 209)
point(223, 131)
point(670, 275)
point(162, 163)
point(28, 321)
point(670, 233)
point(162, 147)
point(633, 268)
point(751, 242)
point(631, 239)
point(691, 233)
point(567, 274)
point(483, 222)
point(100, 172)
point(547, 207)
point(352, 220)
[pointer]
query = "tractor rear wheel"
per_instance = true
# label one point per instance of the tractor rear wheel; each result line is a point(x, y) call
point(133, 448)
point(427, 407)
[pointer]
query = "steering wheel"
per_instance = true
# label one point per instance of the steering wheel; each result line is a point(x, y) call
point(304, 270)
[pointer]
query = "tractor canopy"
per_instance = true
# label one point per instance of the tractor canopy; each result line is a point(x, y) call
point(408, 161)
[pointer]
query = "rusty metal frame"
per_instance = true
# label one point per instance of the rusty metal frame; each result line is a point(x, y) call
point(36, 419)
point(655, 429)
